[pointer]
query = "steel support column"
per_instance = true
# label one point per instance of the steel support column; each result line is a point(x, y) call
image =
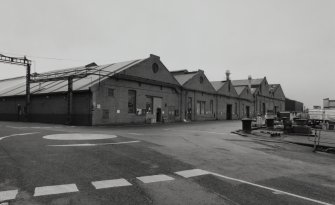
point(69, 100)
point(27, 111)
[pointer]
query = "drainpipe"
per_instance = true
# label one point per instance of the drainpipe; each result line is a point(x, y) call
point(217, 107)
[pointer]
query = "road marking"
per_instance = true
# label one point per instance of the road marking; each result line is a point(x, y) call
point(57, 189)
point(8, 195)
point(155, 178)
point(91, 145)
point(132, 133)
point(20, 134)
point(111, 183)
point(79, 136)
point(276, 191)
point(31, 127)
point(209, 132)
point(192, 173)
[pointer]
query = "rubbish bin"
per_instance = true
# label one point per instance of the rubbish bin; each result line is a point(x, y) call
point(270, 122)
point(246, 125)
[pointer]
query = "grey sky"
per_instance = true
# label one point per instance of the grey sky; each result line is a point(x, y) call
point(291, 42)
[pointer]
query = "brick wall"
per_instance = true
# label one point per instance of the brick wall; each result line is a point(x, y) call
point(117, 106)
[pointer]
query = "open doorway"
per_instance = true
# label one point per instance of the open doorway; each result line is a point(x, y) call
point(189, 109)
point(229, 112)
point(157, 108)
point(247, 110)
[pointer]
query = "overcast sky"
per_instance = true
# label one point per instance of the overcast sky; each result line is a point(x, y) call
point(291, 42)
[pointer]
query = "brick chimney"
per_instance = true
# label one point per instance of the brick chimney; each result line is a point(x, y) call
point(249, 81)
point(227, 75)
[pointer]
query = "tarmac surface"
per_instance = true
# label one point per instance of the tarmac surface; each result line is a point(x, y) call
point(182, 163)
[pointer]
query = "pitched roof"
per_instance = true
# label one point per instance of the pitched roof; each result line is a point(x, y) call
point(16, 86)
point(257, 81)
point(218, 84)
point(253, 90)
point(239, 89)
point(182, 76)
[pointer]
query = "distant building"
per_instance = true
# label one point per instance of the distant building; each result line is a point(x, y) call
point(293, 106)
point(227, 99)
point(268, 99)
point(328, 104)
point(198, 96)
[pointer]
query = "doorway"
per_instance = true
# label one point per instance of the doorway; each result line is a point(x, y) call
point(189, 109)
point(159, 115)
point(157, 108)
point(229, 112)
point(247, 109)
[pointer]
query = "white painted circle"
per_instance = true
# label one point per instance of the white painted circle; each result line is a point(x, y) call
point(79, 136)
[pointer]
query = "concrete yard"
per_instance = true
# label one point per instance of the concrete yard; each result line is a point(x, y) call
point(182, 163)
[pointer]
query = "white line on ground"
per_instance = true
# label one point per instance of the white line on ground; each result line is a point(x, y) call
point(8, 195)
point(132, 133)
point(276, 191)
point(20, 134)
point(155, 178)
point(90, 145)
point(111, 183)
point(192, 173)
point(209, 132)
point(30, 127)
point(57, 189)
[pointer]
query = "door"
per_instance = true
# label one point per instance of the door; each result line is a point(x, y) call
point(247, 109)
point(264, 109)
point(189, 109)
point(157, 103)
point(229, 112)
point(159, 115)
point(171, 113)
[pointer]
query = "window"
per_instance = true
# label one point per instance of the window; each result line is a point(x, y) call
point(243, 110)
point(105, 114)
point(198, 108)
point(211, 106)
point(201, 79)
point(131, 101)
point(155, 67)
point(110, 92)
point(201, 107)
point(148, 104)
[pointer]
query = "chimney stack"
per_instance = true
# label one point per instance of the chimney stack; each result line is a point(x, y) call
point(227, 75)
point(249, 81)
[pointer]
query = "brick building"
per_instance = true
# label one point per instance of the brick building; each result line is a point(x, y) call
point(127, 92)
point(136, 91)
point(198, 95)
point(227, 99)
point(267, 99)
point(246, 101)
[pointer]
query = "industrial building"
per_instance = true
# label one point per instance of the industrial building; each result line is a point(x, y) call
point(328, 104)
point(267, 99)
point(227, 99)
point(136, 91)
point(293, 106)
